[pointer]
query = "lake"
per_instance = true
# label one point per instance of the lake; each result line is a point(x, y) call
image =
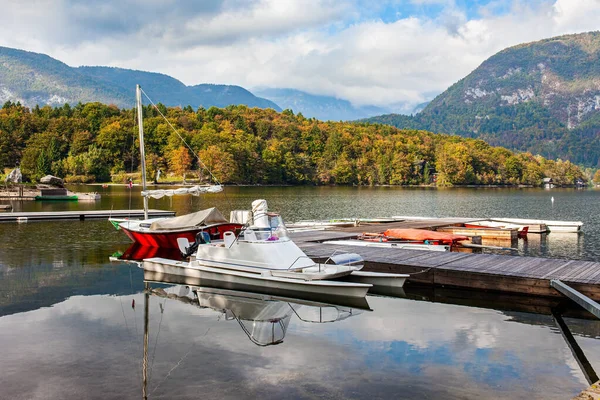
point(72, 324)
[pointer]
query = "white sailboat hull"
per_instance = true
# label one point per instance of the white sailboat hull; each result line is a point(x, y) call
point(553, 226)
point(391, 245)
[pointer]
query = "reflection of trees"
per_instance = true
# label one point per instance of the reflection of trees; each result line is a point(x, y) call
point(44, 263)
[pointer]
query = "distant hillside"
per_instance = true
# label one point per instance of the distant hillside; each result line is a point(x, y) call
point(37, 79)
point(172, 92)
point(542, 97)
point(324, 108)
point(33, 78)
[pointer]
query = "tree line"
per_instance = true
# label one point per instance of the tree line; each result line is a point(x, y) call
point(95, 142)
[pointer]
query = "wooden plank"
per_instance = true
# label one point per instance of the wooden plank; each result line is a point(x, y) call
point(81, 215)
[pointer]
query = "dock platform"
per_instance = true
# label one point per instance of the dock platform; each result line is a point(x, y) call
point(503, 273)
point(80, 215)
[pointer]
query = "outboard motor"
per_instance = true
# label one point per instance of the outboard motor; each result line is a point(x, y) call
point(201, 238)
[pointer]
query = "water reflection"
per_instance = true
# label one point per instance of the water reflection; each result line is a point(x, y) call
point(263, 318)
point(554, 245)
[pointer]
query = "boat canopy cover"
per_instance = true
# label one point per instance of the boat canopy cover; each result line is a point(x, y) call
point(421, 234)
point(194, 190)
point(205, 217)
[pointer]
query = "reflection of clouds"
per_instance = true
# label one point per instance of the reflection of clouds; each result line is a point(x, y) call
point(402, 349)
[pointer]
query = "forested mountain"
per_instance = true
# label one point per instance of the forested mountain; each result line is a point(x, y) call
point(36, 79)
point(241, 145)
point(324, 108)
point(542, 97)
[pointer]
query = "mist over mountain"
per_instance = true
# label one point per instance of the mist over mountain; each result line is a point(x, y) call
point(320, 107)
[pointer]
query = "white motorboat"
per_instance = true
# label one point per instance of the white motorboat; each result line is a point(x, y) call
point(262, 255)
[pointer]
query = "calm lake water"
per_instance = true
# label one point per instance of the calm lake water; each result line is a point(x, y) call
point(72, 323)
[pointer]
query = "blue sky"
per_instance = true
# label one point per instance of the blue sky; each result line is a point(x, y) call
point(392, 53)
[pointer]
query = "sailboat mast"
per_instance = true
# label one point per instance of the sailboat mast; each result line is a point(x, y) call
point(138, 95)
point(145, 356)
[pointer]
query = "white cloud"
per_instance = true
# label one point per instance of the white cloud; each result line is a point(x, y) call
point(320, 46)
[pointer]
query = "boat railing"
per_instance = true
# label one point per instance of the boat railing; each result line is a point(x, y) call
point(297, 259)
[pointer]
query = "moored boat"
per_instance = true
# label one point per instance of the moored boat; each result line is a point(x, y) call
point(164, 232)
point(553, 226)
point(391, 244)
point(264, 257)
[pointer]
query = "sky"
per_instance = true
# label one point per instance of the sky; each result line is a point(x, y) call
point(389, 53)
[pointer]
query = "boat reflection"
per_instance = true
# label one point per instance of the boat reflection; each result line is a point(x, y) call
point(137, 252)
point(263, 318)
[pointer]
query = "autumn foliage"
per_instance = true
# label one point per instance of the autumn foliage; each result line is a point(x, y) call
point(256, 146)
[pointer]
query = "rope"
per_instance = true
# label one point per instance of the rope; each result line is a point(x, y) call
point(420, 272)
point(182, 139)
point(177, 365)
point(129, 348)
point(188, 146)
point(134, 314)
point(162, 313)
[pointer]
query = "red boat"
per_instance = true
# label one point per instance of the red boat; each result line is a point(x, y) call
point(164, 232)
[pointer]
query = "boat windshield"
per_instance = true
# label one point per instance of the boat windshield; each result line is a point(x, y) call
point(276, 230)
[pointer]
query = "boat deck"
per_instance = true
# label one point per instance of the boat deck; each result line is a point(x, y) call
point(527, 275)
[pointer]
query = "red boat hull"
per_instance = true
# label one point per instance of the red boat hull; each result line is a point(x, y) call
point(168, 239)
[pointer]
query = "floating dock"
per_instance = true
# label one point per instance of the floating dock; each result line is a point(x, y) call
point(80, 215)
point(502, 273)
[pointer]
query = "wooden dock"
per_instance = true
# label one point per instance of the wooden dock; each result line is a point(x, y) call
point(80, 215)
point(503, 273)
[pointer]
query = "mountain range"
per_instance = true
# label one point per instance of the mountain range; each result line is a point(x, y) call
point(541, 97)
point(37, 79)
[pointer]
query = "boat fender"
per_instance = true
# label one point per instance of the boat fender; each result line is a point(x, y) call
point(347, 259)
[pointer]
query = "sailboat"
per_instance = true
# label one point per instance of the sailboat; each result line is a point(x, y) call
point(164, 232)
